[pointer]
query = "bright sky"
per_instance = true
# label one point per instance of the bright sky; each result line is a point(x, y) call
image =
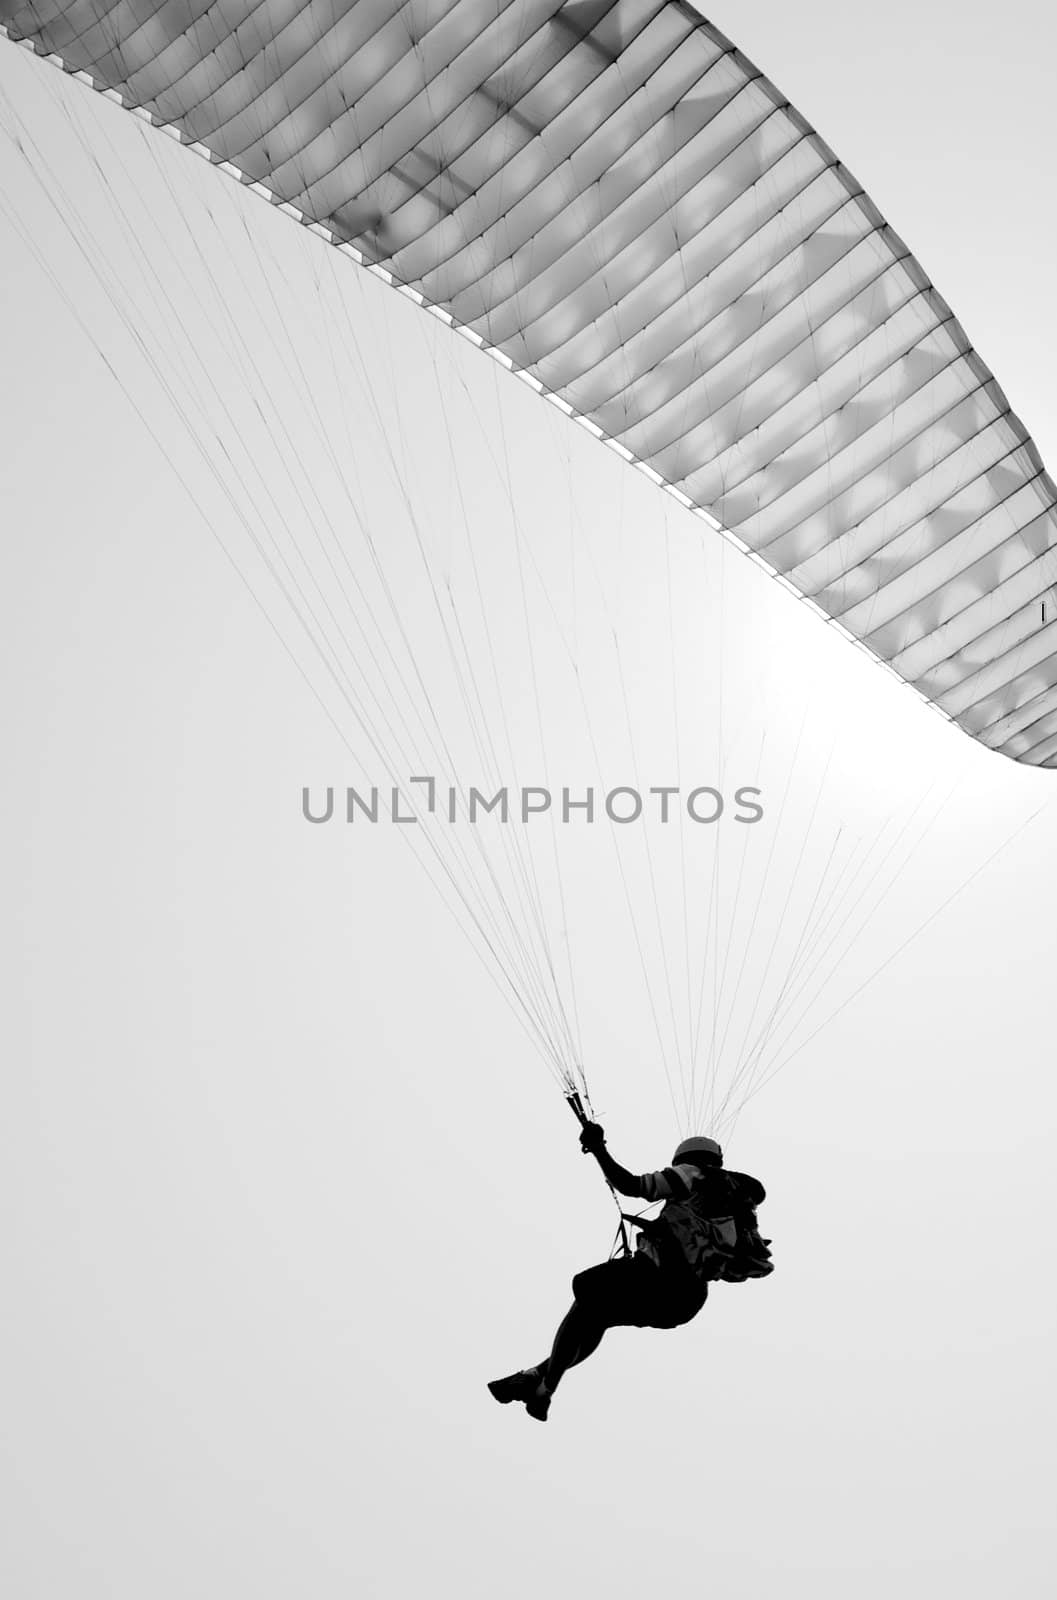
point(287, 1183)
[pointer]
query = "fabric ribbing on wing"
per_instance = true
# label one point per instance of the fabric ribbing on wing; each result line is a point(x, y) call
point(611, 196)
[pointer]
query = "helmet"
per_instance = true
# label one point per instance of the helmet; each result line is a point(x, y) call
point(691, 1149)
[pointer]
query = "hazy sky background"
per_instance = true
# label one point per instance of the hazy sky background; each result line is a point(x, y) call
point(285, 1182)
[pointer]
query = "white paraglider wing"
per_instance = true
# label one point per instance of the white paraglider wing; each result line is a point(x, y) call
point(613, 200)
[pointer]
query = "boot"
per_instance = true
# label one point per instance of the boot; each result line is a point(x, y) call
point(528, 1387)
point(519, 1386)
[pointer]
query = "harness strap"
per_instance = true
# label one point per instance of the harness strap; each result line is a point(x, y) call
point(647, 1224)
point(576, 1105)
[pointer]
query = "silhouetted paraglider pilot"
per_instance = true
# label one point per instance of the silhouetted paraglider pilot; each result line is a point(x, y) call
point(706, 1232)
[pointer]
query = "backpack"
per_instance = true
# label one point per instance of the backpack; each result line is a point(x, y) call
point(752, 1254)
point(707, 1245)
point(725, 1249)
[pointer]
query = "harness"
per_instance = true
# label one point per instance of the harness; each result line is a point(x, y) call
point(725, 1247)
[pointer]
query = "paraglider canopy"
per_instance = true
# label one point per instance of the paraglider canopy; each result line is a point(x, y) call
point(619, 206)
